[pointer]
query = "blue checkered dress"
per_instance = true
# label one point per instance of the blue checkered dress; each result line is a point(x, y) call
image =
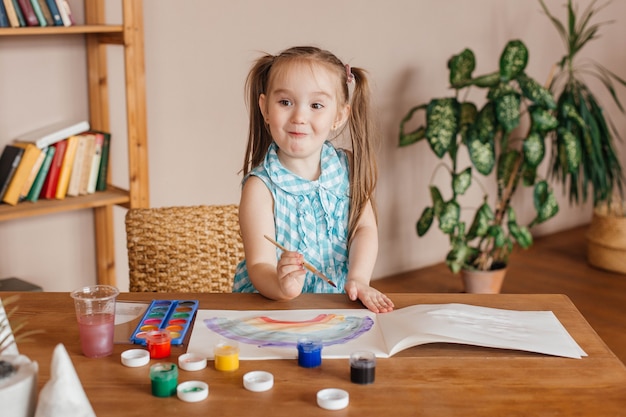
point(311, 217)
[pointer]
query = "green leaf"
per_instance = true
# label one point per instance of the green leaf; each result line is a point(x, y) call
point(482, 155)
point(571, 149)
point(513, 60)
point(468, 114)
point(529, 174)
point(437, 199)
point(498, 235)
point(442, 124)
point(461, 181)
point(418, 134)
point(461, 67)
point(508, 111)
point(425, 221)
point(449, 216)
point(506, 167)
point(543, 120)
point(480, 225)
point(455, 259)
point(520, 233)
point(535, 92)
point(486, 81)
point(545, 203)
point(534, 149)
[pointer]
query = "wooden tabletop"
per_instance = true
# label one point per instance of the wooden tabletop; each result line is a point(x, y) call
point(429, 380)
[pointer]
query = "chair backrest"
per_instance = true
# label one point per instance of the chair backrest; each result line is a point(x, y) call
point(183, 249)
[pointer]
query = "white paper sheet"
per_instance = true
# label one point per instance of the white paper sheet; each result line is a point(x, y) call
point(274, 334)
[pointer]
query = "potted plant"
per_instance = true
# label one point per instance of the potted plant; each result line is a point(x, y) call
point(584, 157)
point(18, 374)
point(505, 140)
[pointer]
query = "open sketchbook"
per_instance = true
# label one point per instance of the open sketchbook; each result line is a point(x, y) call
point(273, 334)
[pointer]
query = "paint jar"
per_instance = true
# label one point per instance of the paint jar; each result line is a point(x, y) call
point(362, 367)
point(309, 352)
point(164, 377)
point(227, 355)
point(159, 343)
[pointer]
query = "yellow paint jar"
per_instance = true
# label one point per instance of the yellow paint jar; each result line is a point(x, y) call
point(227, 356)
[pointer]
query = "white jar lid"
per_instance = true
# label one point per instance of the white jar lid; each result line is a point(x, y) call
point(333, 398)
point(192, 391)
point(135, 357)
point(191, 362)
point(258, 381)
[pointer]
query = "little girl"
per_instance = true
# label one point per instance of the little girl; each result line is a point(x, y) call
point(298, 189)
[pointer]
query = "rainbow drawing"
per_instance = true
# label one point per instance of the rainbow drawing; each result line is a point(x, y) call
point(264, 331)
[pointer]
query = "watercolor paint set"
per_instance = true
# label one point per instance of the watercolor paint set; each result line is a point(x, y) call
point(176, 316)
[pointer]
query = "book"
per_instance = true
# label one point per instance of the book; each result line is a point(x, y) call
point(18, 13)
point(29, 14)
point(41, 18)
point(46, 136)
point(101, 184)
point(274, 334)
point(9, 161)
point(4, 18)
point(45, 10)
point(54, 12)
point(29, 158)
point(11, 15)
point(63, 11)
point(85, 171)
point(35, 190)
point(95, 164)
point(73, 187)
point(66, 167)
point(49, 188)
point(33, 174)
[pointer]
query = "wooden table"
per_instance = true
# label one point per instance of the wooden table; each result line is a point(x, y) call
point(429, 380)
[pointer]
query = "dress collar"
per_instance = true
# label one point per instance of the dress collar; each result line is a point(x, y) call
point(331, 179)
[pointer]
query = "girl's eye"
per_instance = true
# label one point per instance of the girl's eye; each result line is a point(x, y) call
point(284, 102)
point(317, 106)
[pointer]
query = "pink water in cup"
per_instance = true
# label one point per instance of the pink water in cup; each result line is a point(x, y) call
point(95, 313)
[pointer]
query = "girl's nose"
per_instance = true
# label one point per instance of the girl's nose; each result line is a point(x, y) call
point(298, 116)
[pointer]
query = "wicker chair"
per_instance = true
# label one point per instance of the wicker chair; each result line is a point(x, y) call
point(183, 249)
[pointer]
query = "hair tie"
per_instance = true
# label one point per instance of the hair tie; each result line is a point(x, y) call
point(349, 74)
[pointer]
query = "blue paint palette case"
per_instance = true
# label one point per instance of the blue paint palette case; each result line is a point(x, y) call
point(173, 315)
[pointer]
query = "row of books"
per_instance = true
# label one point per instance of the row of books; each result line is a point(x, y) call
point(53, 163)
point(21, 13)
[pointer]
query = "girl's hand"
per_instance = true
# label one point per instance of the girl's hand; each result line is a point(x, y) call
point(291, 273)
point(371, 298)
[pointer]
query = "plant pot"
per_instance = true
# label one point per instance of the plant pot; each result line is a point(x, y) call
point(18, 391)
point(483, 282)
point(606, 240)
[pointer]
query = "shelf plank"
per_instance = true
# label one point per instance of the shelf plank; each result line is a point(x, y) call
point(61, 30)
point(112, 196)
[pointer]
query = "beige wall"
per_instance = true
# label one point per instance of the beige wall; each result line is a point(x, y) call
point(197, 56)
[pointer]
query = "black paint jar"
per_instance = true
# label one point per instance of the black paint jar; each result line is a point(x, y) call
point(362, 367)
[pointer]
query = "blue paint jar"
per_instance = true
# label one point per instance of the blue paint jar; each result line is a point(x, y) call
point(309, 352)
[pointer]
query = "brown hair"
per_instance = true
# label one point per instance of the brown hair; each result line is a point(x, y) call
point(363, 169)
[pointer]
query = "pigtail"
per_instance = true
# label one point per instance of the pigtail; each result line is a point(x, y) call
point(364, 172)
point(259, 138)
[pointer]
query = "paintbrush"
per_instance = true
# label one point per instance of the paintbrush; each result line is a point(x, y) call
point(306, 264)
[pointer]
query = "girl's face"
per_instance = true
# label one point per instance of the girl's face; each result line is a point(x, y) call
point(301, 108)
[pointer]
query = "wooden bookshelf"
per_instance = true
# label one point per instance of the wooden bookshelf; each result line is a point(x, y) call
point(97, 34)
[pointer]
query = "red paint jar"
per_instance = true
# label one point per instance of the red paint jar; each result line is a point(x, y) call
point(159, 344)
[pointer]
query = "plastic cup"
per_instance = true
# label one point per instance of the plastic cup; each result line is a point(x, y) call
point(95, 313)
